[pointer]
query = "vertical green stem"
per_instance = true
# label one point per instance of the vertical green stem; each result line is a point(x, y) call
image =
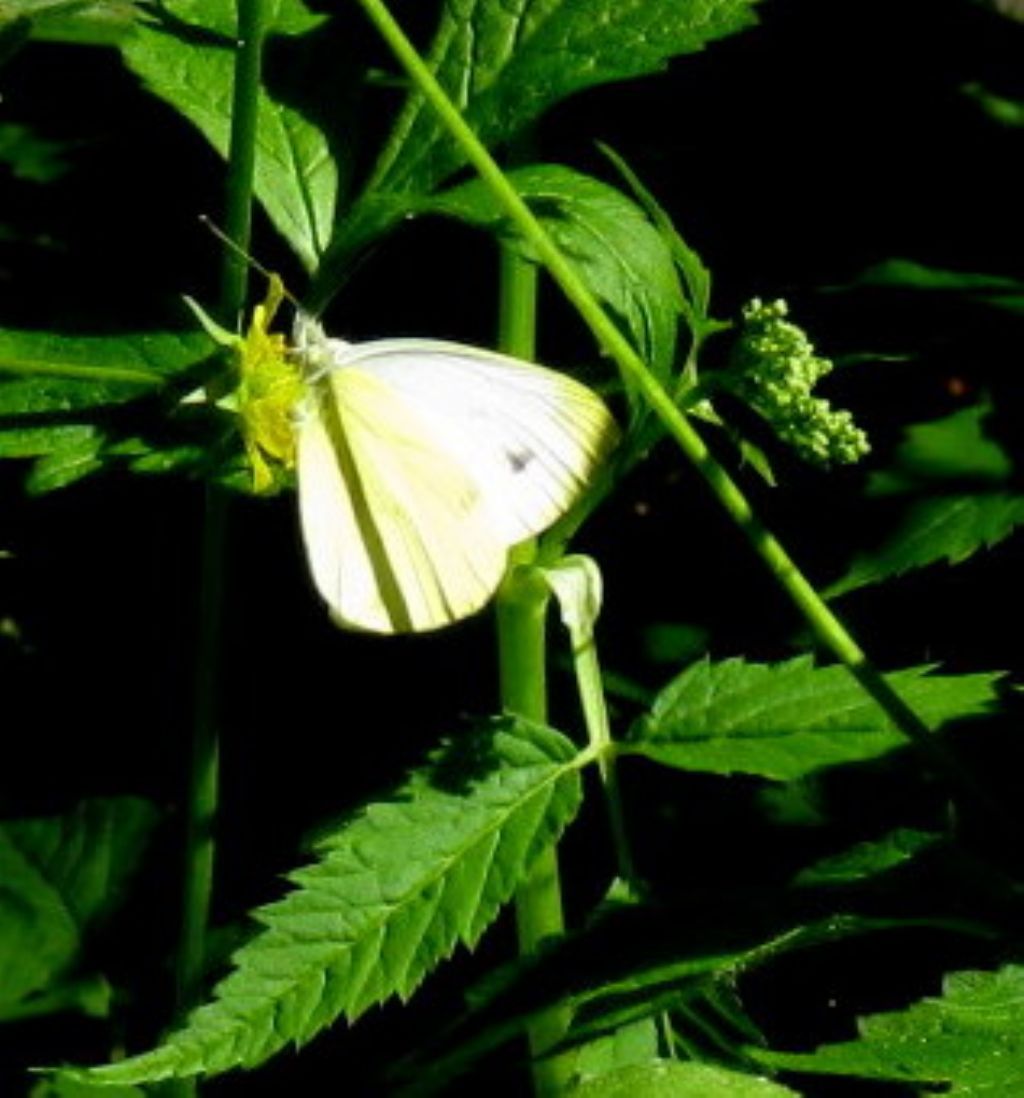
point(203, 784)
point(522, 654)
point(521, 609)
point(828, 628)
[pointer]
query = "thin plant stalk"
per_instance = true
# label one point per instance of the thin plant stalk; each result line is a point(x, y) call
point(522, 656)
point(204, 764)
point(827, 627)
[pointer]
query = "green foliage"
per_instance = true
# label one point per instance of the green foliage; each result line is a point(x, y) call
point(59, 393)
point(784, 721)
point(395, 891)
point(61, 875)
point(504, 67)
point(612, 243)
point(951, 528)
point(675, 1079)
point(868, 859)
point(186, 59)
point(961, 500)
point(968, 1041)
point(996, 291)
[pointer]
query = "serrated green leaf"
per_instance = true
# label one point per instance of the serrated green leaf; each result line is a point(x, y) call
point(970, 1041)
point(678, 1079)
point(612, 244)
point(782, 721)
point(868, 859)
point(60, 875)
point(187, 60)
point(396, 890)
point(505, 63)
point(945, 528)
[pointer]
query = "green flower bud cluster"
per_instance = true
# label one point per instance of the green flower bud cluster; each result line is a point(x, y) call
point(774, 369)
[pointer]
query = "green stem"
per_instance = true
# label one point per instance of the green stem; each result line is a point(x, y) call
point(522, 654)
point(590, 685)
point(831, 632)
point(204, 767)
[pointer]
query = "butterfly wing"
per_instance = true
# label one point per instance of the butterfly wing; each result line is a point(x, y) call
point(396, 532)
point(421, 463)
point(530, 437)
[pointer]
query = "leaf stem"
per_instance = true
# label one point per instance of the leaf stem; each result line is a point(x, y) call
point(204, 767)
point(522, 655)
point(828, 628)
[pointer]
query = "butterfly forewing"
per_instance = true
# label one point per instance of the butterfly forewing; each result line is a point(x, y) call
point(530, 437)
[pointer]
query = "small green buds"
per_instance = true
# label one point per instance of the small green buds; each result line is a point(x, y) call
point(774, 369)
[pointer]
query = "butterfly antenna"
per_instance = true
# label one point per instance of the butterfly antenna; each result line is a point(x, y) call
point(226, 240)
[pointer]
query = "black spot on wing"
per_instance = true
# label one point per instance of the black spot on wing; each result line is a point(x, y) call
point(519, 459)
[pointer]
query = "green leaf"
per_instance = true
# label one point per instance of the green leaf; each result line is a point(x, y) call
point(68, 1088)
point(47, 372)
point(946, 528)
point(59, 876)
point(943, 453)
point(396, 890)
point(612, 244)
point(696, 276)
point(969, 1042)
point(906, 273)
point(995, 291)
point(505, 63)
point(868, 859)
point(50, 382)
point(969, 506)
point(678, 1079)
point(782, 721)
point(633, 1043)
point(84, 22)
point(187, 60)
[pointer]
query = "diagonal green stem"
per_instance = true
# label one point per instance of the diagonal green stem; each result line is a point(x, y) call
point(204, 767)
point(828, 628)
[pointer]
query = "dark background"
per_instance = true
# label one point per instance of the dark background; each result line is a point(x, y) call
point(831, 137)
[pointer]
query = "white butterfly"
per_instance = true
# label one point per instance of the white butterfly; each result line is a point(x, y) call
point(421, 463)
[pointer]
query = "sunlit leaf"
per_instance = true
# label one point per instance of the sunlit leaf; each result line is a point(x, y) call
point(782, 721)
point(678, 1079)
point(395, 891)
point(969, 1041)
point(943, 528)
point(613, 246)
point(186, 57)
point(504, 65)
